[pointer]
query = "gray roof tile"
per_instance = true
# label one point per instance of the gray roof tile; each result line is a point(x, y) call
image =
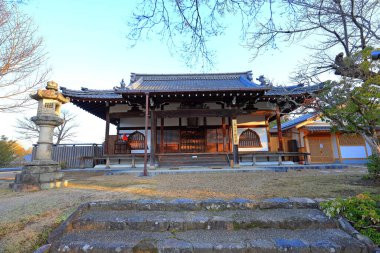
point(293, 90)
point(294, 122)
point(192, 82)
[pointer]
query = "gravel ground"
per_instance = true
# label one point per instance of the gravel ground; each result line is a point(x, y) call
point(26, 218)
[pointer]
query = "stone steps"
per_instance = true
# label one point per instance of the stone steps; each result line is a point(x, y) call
point(273, 225)
point(192, 220)
point(253, 240)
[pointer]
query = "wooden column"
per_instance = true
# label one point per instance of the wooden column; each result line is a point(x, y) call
point(162, 137)
point(145, 173)
point(153, 138)
point(224, 133)
point(107, 132)
point(279, 130)
point(234, 142)
point(107, 135)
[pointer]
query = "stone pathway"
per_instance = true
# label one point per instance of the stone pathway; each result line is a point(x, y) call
point(274, 225)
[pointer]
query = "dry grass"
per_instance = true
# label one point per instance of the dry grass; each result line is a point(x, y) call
point(26, 218)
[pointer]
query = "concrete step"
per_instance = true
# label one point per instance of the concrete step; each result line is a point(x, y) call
point(253, 240)
point(193, 220)
point(193, 159)
point(272, 225)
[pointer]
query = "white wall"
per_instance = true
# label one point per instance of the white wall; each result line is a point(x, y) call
point(133, 122)
point(254, 119)
point(119, 108)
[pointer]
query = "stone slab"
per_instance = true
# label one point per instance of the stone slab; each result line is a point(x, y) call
point(259, 240)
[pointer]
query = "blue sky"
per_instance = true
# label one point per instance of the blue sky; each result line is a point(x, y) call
point(87, 47)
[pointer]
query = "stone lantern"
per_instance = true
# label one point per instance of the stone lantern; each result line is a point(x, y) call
point(43, 172)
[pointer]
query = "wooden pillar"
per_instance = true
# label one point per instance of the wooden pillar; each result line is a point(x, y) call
point(224, 133)
point(162, 138)
point(153, 138)
point(279, 130)
point(107, 135)
point(107, 132)
point(235, 142)
point(229, 134)
point(145, 173)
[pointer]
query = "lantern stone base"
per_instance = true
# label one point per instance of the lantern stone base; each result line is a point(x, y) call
point(38, 175)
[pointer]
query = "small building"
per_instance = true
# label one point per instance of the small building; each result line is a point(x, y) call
point(308, 133)
point(189, 114)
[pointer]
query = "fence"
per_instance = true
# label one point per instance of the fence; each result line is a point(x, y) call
point(69, 154)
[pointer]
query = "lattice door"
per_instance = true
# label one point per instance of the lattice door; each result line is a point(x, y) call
point(192, 141)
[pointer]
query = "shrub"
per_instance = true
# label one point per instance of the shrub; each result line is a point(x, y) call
point(362, 211)
point(373, 166)
point(6, 151)
point(63, 165)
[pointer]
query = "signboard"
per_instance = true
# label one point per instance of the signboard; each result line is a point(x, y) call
point(235, 136)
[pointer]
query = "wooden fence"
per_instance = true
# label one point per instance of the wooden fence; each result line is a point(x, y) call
point(69, 154)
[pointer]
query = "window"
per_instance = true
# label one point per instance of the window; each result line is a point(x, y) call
point(249, 139)
point(136, 140)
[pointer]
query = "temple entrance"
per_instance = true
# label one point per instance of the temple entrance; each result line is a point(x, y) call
point(192, 141)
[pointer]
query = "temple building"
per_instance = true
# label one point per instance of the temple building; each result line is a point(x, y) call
point(190, 115)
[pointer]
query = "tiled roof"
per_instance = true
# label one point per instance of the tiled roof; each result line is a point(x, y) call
point(294, 122)
point(90, 94)
point(318, 128)
point(192, 82)
point(293, 90)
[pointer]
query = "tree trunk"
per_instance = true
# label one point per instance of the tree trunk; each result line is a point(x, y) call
point(373, 142)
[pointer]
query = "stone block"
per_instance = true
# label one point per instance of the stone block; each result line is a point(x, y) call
point(262, 246)
point(174, 245)
point(276, 203)
point(50, 177)
point(292, 245)
point(32, 169)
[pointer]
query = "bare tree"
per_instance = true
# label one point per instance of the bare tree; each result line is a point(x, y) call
point(22, 58)
point(27, 129)
point(337, 25)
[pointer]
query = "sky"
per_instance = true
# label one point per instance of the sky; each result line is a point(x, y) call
point(87, 47)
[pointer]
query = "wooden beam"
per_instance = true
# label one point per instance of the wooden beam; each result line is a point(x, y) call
point(279, 130)
point(145, 173)
point(119, 115)
point(202, 113)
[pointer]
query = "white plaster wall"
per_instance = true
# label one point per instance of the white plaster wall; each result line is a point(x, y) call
point(119, 108)
point(265, 106)
point(262, 132)
point(214, 121)
point(133, 122)
point(169, 122)
point(353, 152)
point(171, 106)
point(213, 106)
point(254, 119)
